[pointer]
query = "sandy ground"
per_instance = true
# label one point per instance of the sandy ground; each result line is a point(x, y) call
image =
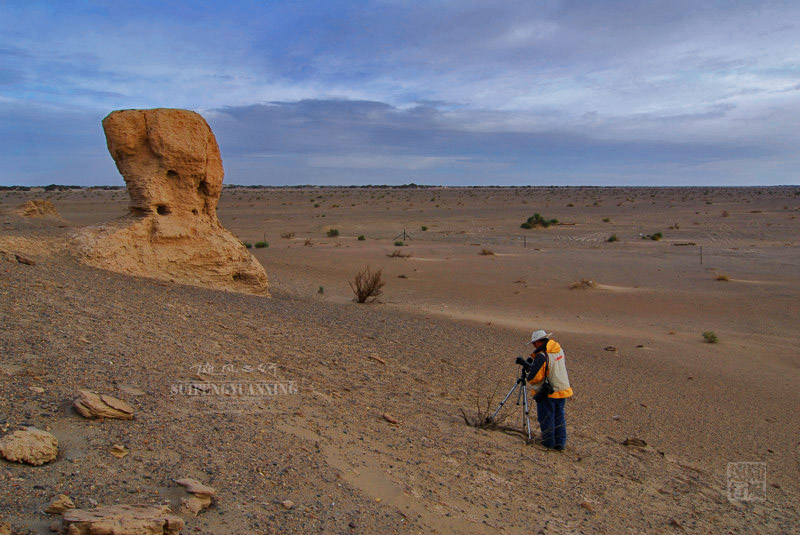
point(456, 310)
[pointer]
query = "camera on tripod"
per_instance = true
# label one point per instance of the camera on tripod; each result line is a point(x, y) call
point(526, 366)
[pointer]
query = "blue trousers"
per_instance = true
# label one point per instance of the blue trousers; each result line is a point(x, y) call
point(550, 413)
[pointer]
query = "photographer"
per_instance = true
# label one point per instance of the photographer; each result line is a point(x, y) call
point(547, 375)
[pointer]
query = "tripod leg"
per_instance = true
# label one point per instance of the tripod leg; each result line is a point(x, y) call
point(504, 400)
point(527, 422)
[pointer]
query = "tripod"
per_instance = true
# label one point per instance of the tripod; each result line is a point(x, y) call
point(521, 396)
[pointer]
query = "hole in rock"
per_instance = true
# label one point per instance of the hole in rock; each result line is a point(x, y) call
point(203, 188)
point(172, 174)
point(162, 209)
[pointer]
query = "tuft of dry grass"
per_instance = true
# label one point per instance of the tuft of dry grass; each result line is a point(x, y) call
point(308, 242)
point(487, 252)
point(287, 235)
point(583, 284)
point(398, 253)
point(722, 277)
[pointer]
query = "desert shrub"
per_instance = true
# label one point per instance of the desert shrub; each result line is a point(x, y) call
point(287, 235)
point(655, 237)
point(487, 252)
point(308, 242)
point(397, 253)
point(321, 290)
point(536, 220)
point(725, 213)
point(723, 277)
point(424, 228)
point(262, 244)
point(247, 244)
point(612, 238)
point(606, 220)
point(398, 243)
point(367, 285)
point(710, 337)
point(332, 233)
point(361, 238)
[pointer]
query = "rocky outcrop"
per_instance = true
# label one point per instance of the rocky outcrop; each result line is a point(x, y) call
point(173, 170)
point(200, 499)
point(91, 405)
point(38, 208)
point(29, 446)
point(60, 503)
point(122, 520)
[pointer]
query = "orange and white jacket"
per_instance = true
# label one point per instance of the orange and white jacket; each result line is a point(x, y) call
point(556, 370)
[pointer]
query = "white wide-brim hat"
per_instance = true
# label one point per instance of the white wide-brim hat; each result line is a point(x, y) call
point(538, 335)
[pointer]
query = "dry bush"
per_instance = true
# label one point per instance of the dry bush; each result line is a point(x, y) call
point(723, 277)
point(488, 391)
point(397, 253)
point(583, 284)
point(367, 285)
point(308, 242)
point(487, 252)
point(287, 235)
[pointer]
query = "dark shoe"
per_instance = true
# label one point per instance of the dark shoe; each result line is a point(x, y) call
point(559, 447)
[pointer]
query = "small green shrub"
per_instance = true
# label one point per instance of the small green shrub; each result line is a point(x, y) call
point(321, 290)
point(612, 238)
point(361, 238)
point(655, 237)
point(332, 233)
point(398, 243)
point(247, 244)
point(606, 219)
point(710, 337)
point(262, 244)
point(536, 220)
point(424, 228)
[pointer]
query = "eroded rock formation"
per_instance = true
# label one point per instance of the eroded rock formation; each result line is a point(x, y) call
point(38, 208)
point(123, 520)
point(173, 170)
point(29, 446)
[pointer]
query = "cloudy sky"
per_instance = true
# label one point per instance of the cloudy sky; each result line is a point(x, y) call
point(451, 92)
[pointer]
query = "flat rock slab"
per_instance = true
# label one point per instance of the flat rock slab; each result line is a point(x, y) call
point(29, 446)
point(93, 405)
point(123, 520)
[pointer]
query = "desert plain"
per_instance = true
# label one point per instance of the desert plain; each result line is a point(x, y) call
point(364, 430)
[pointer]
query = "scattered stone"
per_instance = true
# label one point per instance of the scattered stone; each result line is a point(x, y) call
point(30, 446)
point(676, 524)
point(610, 348)
point(201, 496)
point(172, 167)
point(123, 520)
point(391, 419)
point(587, 506)
point(22, 259)
point(60, 503)
point(36, 389)
point(91, 405)
point(377, 358)
point(119, 451)
point(634, 442)
point(287, 504)
point(195, 487)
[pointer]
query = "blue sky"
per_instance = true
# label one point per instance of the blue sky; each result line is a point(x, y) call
point(432, 92)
